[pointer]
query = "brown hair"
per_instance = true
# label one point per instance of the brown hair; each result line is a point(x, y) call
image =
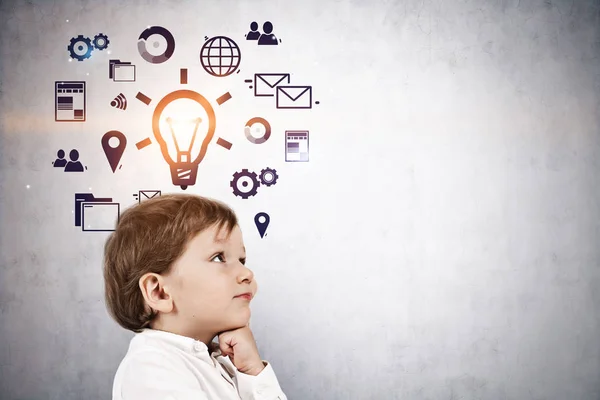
point(149, 237)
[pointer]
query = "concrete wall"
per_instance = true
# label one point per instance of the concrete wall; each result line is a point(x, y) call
point(442, 241)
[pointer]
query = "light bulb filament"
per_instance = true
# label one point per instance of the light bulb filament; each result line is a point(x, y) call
point(183, 156)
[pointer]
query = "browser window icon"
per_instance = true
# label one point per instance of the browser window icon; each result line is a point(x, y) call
point(98, 214)
point(99, 217)
point(121, 71)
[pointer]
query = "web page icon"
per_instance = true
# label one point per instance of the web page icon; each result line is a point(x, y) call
point(296, 145)
point(69, 101)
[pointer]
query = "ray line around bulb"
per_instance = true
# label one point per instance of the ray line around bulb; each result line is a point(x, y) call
point(222, 99)
point(183, 76)
point(224, 143)
point(143, 143)
point(143, 98)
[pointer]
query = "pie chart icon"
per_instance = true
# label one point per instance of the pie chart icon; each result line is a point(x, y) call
point(156, 44)
point(257, 130)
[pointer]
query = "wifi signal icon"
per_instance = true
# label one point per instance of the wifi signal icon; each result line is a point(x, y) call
point(119, 102)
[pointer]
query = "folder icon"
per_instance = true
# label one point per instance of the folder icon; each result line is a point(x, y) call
point(294, 97)
point(80, 198)
point(265, 84)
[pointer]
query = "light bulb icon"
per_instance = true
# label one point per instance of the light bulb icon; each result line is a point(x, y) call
point(179, 121)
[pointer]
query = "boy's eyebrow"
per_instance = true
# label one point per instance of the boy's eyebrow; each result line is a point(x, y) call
point(221, 241)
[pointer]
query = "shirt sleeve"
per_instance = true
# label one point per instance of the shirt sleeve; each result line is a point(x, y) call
point(263, 386)
point(152, 375)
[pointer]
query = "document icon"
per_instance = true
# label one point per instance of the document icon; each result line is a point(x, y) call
point(120, 71)
point(91, 218)
point(264, 84)
point(144, 195)
point(294, 97)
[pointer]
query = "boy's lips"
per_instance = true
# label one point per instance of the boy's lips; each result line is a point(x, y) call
point(247, 296)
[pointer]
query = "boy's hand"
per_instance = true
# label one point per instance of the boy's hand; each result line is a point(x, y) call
point(240, 346)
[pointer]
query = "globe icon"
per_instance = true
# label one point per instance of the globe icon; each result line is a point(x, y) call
point(220, 56)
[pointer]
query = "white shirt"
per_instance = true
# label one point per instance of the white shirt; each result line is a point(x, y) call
point(165, 366)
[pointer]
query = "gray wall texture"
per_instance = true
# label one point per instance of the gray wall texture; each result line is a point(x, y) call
point(441, 243)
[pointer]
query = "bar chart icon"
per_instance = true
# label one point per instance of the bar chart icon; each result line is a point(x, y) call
point(296, 146)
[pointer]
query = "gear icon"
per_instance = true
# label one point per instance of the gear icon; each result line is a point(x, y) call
point(101, 41)
point(268, 176)
point(80, 48)
point(247, 179)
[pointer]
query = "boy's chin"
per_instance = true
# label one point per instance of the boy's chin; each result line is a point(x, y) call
point(237, 322)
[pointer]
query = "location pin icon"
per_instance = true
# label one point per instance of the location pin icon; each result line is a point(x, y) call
point(262, 226)
point(114, 154)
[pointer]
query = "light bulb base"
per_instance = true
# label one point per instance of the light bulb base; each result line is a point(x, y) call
point(184, 174)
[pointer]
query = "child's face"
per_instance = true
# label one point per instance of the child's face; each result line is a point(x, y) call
point(204, 281)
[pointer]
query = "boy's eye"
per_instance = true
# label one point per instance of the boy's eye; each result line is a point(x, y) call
point(219, 256)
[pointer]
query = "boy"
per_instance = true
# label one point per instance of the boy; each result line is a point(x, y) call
point(175, 274)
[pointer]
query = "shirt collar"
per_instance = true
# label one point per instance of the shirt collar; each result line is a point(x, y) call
point(185, 343)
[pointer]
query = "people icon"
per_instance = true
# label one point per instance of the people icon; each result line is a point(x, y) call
point(267, 37)
point(73, 165)
point(60, 162)
point(254, 34)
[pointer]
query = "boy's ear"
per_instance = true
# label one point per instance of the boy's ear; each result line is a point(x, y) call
point(153, 289)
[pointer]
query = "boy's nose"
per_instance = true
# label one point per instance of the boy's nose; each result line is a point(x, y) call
point(246, 274)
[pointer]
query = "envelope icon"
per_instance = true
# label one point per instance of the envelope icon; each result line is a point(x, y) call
point(264, 84)
point(148, 194)
point(294, 97)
